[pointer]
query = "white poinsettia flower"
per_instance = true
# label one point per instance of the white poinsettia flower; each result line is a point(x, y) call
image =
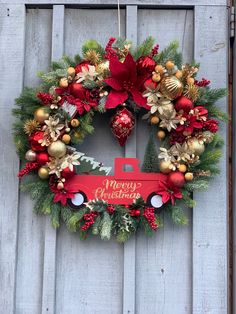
point(70, 161)
point(181, 152)
point(169, 120)
point(165, 154)
point(54, 166)
point(87, 73)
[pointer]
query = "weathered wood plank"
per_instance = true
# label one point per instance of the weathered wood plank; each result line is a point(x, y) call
point(32, 227)
point(50, 244)
point(160, 3)
point(130, 151)
point(89, 273)
point(12, 25)
point(163, 263)
point(210, 214)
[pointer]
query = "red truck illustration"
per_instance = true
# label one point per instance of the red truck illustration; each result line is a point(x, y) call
point(121, 188)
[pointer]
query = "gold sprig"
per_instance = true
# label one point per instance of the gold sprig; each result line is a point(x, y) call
point(92, 56)
point(31, 126)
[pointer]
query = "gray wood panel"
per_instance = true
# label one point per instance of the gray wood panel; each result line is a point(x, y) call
point(210, 215)
point(179, 3)
point(12, 27)
point(163, 263)
point(89, 274)
point(181, 269)
point(32, 227)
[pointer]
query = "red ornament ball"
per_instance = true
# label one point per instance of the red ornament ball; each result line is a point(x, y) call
point(42, 158)
point(67, 173)
point(122, 124)
point(77, 90)
point(34, 141)
point(176, 179)
point(79, 66)
point(183, 103)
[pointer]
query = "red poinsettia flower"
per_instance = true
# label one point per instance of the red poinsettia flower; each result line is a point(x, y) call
point(124, 82)
point(77, 95)
point(85, 102)
point(62, 196)
point(168, 194)
point(189, 125)
point(211, 125)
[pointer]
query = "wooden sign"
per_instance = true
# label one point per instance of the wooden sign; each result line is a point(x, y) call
point(122, 188)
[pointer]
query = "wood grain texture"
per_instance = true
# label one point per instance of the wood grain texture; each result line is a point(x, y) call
point(129, 274)
point(31, 226)
point(89, 274)
point(12, 27)
point(159, 3)
point(164, 262)
point(210, 214)
point(50, 242)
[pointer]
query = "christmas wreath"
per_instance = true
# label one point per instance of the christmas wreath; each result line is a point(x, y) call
point(55, 118)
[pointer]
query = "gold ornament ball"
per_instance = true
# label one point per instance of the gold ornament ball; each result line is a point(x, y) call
point(169, 65)
point(188, 176)
point(71, 71)
point(159, 69)
point(66, 138)
point(190, 81)
point(161, 135)
point(30, 155)
point(74, 123)
point(182, 168)
point(171, 87)
point(41, 115)
point(57, 149)
point(179, 74)
point(197, 147)
point(155, 120)
point(156, 77)
point(60, 185)
point(43, 173)
point(63, 82)
point(165, 166)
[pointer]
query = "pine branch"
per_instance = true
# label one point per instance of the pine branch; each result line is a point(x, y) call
point(170, 53)
point(144, 49)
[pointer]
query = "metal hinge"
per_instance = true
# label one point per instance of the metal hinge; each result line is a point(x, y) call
point(232, 22)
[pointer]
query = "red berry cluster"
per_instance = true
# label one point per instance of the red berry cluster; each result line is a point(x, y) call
point(89, 220)
point(155, 50)
point(149, 214)
point(110, 209)
point(30, 166)
point(109, 50)
point(135, 212)
point(45, 98)
point(204, 82)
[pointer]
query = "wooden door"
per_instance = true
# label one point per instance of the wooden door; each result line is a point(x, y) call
point(181, 269)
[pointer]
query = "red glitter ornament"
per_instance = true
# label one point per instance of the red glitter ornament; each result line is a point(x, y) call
point(176, 179)
point(42, 158)
point(183, 103)
point(34, 141)
point(122, 124)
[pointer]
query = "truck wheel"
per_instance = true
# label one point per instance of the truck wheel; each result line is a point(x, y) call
point(154, 200)
point(77, 202)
